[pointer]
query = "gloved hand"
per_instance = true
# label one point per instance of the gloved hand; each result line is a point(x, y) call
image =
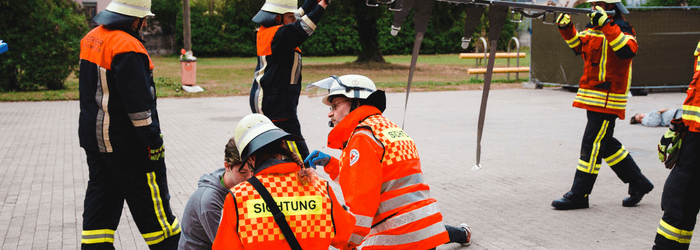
point(317, 158)
point(563, 20)
point(599, 17)
point(670, 143)
point(157, 153)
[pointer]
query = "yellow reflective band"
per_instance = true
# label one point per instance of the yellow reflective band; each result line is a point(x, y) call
point(583, 166)
point(302, 205)
point(697, 50)
point(603, 61)
point(620, 41)
point(673, 233)
point(617, 157)
point(592, 93)
point(396, 134)
point(97, 236)
point(153, 238)
point(293, 147)
point(573, 42)
point(691, 113)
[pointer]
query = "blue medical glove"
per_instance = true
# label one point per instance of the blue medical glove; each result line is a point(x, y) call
point(317, 158)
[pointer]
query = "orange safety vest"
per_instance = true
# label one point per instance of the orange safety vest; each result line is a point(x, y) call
point(312, 212)
point(392, 207)
point(691, 105)
point(606, 79)
point(100, 46)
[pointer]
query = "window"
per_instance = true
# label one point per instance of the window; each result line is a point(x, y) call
point(90, 8)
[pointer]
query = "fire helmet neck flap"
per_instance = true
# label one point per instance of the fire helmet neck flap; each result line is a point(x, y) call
point(122, 12)
point(255, 131)
point(617, 3)
point(272, 8)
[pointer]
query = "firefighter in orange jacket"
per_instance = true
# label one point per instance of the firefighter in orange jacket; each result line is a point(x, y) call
point(379, 172)
point(311, 211)
point(120, 131)
point(277, 79)
point(607, 47)
point(679, 200)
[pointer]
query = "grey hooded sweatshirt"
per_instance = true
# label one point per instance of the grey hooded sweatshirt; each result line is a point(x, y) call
point(200, 220)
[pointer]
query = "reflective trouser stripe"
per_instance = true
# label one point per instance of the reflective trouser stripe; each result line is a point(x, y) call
point(166, 228)
point(412, 237)
point(402, 200)
point(592, 166)
point(407, 218)
point(97, 236)
point(673, 233)
point(617, 157)
point(293, 147)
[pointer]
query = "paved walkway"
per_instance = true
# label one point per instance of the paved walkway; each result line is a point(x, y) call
point(530, 148)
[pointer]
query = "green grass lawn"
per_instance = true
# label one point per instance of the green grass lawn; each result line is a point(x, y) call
point(233, 76)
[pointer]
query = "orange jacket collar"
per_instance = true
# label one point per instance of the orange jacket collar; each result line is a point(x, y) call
point(341, 133)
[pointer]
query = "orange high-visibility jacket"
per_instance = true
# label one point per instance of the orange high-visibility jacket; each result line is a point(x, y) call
point(607, 52)
point(691, 105)
point(380, 175)
point(697, 55)
point(312, 212)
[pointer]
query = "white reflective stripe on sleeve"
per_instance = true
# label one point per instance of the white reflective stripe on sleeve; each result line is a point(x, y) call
point(356, 239)
point(363, 221)
point(402, 200)
point(416, 236)
point(306, 20)
point(407, 218)
point(140, 119)
point(403, 182)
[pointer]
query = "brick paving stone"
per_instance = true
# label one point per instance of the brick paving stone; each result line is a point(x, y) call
point(530, 148)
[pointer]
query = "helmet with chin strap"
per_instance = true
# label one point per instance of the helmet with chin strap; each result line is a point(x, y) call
point(122, 12)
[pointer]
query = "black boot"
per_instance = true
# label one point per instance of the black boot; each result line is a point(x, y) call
point(637, 190)
point(571, 201)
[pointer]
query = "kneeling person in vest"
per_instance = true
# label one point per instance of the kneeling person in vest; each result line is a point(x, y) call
point(310, 216)
point(607, 46)
point(379, 172)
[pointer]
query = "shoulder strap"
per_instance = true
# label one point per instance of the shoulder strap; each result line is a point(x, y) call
point(278, 215)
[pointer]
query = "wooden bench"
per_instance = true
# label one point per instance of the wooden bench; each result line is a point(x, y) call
point(498, 55)
point(499, 70)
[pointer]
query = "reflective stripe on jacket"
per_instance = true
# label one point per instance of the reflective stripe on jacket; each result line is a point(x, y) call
point(691, 105)
point(117, 92)
point(607, 52)
point(312, 212)
point(392, 207)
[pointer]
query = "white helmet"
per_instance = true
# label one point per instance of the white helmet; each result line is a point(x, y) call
point(266, 15)
point(618, 3)
point(135, 8)
point(350, 86)
point(120, 12)
point(255, 131)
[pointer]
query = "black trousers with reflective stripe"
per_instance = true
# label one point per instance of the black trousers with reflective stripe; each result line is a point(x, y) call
point(601, 146)
point(292, 126)
point(116, 177)
point(680, 200)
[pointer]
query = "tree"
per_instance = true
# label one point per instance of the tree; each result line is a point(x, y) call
point(368, 32)
point(44, 41)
